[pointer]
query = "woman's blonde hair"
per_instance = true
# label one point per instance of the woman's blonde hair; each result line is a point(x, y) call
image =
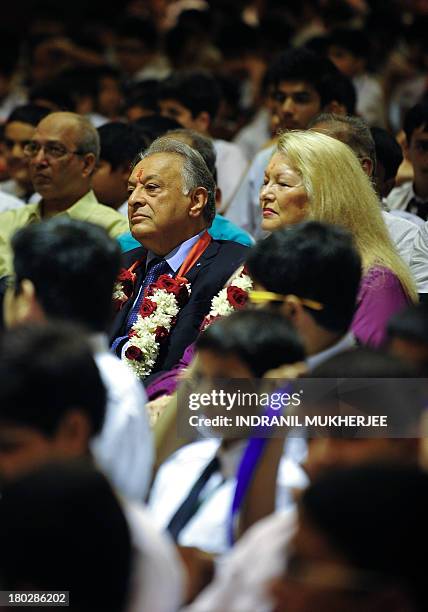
point(341, 193)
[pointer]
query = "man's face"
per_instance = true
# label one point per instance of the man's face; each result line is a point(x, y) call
point(16, 136)
point(110, 97)
point(418, 152)
point(294, 104)
point(110, 186)
point(23, 448)
point(174, 110)
point(157, 208)
point(61, 175)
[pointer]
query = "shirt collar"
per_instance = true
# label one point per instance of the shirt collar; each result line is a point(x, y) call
point(176, 257)
point(82, 207)
point(345, 343)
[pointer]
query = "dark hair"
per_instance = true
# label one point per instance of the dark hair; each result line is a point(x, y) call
point(121, 143)
point(304, 65)
point(155, 126)
point(262, 340)
point(311, 260)
point(203, 144)
point(388, 151)
point(352, 40)
point(29, 113)
point(410, 324)
point(70, 523)
point(143, 30)
point(46, 371)
point(401, 401)
point(72, 265)
point(416, 117)
point(197, 91)
point(388, 536)
point(144, 94)
point(55, 93)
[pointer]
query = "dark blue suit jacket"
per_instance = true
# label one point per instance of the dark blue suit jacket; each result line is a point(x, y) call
point(207, 278)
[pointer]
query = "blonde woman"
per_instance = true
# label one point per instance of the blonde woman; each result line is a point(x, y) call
point(314, 176)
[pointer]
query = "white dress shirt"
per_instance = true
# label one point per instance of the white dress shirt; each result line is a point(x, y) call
point(400, 197)
point(208, 528)
point(244, 210)
point(124, 448)
point(157, 580)
point(252, 137)
point(403, 233)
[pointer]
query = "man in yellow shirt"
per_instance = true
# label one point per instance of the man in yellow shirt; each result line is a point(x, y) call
point(62, 157)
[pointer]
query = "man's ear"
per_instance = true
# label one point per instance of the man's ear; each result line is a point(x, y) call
point(202, 122)
point(22, 306)
point(335, 107)
point(74, 433)
point(292, 309)
point(367, 166)
point(218, 198)
point(89, 162)
point(199, 198)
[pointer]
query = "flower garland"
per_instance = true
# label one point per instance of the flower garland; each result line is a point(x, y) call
point(232, 297)
point(156, 317)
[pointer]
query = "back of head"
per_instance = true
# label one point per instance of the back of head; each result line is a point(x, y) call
point(353, 40)
point(388, 152)
point(410, 324)
point(196, 91)
point(31, 114)
point(393, 390)
point(155, 126)
point(304, 65)
point(195, 171)
point(72, 265)
point(262, 340)
point(352, 131)
point(45, 372)
point(388, 537)
point(66, 516)
point(203, 144)
point(121, 143)
point(415, 118)
point(313, 261)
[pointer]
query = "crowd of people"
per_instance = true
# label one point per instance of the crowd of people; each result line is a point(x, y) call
point(197, 199)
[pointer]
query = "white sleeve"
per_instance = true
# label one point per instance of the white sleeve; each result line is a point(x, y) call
point(124, 448)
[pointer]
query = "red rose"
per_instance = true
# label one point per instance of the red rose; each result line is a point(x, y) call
point(147, 307)
point(170, 285)
point(133, 353)
point(237, 297)
point(161, 334)
point(126, 279)
point(207, 322)
point(165, 281)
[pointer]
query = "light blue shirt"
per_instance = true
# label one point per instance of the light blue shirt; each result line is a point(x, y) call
point(176, 257)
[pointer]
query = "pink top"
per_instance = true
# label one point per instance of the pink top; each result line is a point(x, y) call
point(380, 297)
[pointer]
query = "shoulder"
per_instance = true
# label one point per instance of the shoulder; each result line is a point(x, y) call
point(379, 279)
point(9, 202)
point(133, 255)
point(13, 219)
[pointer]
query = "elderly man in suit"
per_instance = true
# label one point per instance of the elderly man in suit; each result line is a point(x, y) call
point(171, 205)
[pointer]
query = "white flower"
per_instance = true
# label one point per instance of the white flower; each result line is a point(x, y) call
point(243, 282)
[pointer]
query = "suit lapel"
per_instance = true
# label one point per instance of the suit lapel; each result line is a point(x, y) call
point(203, 261)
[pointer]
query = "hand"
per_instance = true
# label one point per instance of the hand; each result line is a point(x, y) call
point(199, 566)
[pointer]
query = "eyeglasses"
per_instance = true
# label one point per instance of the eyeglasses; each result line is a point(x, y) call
point(261, 297)
point(51, 149)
